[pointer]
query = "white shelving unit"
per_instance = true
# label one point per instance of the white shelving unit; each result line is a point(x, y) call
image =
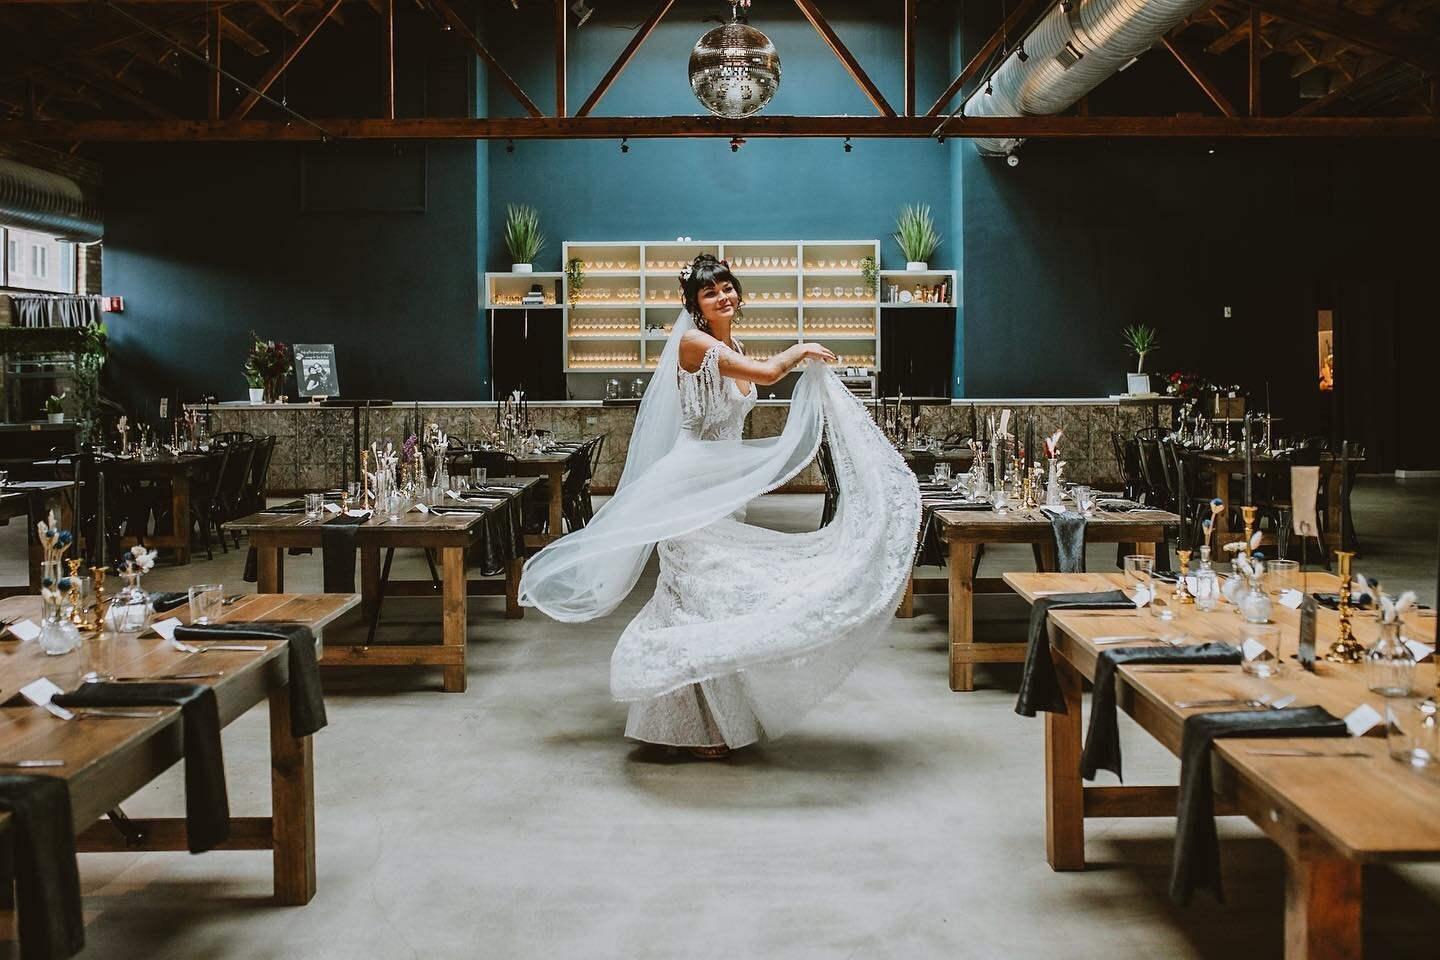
point(796, 291)
point(908, 280)
point(505, 291)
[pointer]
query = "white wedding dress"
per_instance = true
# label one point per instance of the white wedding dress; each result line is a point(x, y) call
point(748, 627)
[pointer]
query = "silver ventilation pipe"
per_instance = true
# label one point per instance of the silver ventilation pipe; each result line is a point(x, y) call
point(49, 203)
point(1074, 47)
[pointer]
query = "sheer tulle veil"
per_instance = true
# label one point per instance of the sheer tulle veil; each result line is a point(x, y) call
point(672, 484)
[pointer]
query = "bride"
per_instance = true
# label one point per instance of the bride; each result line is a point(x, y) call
point(748, 627)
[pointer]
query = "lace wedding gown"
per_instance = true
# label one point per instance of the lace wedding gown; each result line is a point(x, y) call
point(749, 627)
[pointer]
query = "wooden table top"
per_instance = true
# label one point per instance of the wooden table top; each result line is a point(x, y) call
point(550, 456)
point(162, 463)
point(15, 497)
point(1019, 525)
point(96, 751)
point(1367, 807)
point(1237, 460)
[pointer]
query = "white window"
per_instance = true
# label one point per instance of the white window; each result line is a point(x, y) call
point(50, 265)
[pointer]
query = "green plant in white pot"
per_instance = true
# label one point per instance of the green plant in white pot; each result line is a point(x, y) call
point(55, 408)
point(915, 233)
point(1142, 339)
point(523, 237)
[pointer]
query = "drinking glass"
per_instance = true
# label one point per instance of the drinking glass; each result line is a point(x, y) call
point(352, 490)
point(478, 478)
point(4, 475)
point(1260, 647)
point(314, 503)
point(858, 292)
point(839, 292)
point(1138, 570)
point(942, 472)
point(999, 500)
point(1412, 733)
point(1282, 575)
point(205, 599)
point(1084, 499)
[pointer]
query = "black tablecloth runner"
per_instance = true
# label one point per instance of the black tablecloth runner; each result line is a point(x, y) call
point(504, 538)
point(930, 551)
point(167, 600)
point(1102, 743)
point(1197, 849)
point(307, 698)
point(337, 546)
point(1039, 687)
point(47, 880)
point(207, 807)
point(1068, 529)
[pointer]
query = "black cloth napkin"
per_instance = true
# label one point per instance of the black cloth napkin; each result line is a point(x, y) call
point(307, 699)
point(167, 600)
point(337, 546)
point(293, 508)
point(1069, 531)
point(1332, 601)
point(1102, 742)
point(1196, 864)
point(1039, 687)
point(47, 880)
point(207, 807)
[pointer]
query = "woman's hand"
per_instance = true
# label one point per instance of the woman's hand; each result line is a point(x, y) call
point(816, 351)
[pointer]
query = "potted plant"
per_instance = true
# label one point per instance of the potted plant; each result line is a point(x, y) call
point(256, 383)
point(915, 232)
point(1141, 339)
point(575, 278)
point(523, 237)
point(55, 408)
point(268, 362)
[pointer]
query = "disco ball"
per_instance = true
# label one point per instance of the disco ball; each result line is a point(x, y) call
point(734, 70)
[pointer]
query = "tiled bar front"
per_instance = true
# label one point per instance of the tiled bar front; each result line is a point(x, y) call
point(313, 442)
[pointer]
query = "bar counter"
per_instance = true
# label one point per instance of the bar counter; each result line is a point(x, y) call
point(313, 445)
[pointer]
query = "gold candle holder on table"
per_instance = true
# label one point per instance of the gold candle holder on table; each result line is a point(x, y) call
point(76, 616)
point(364, 478)
point(1345, 649)
point(1182, 592)
point(97, 586)
point(1249, 514)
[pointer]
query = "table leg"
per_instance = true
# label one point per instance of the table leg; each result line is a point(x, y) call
point(180, 511)
point(513, 569)
point(453, 602)
point(557, 501)
point(906, 610)
point(962, 614)
point(292, 803)
point(1064, 790)
point(269, 568)
point(369, 581)
point(1322, 910)
point(1047, 556)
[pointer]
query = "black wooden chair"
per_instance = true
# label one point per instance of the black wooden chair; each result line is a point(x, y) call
point(207, 504)
point(826, 462)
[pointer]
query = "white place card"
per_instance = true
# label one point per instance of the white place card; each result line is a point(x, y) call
point(423, 508)
point(1252, 649)
point(166, 628)
point(1419, 650)
point(1142, 596)
point(40, 692)
point(25, 629)
point(358, 513)
point(1292, 598)
point(1052, 509)
point(1362, 720)
point(332, 508)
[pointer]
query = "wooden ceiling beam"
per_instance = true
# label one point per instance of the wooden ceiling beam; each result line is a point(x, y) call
point(1369, 32)
point(613, 128)
point(626, 55)
point(1207, 86)
point(243, 38)
point(269, 9)
point(247, 103)
point(1341, 91)
point(1010, 28)
point(847, 60)
point(1256, 53)
point(459, 25)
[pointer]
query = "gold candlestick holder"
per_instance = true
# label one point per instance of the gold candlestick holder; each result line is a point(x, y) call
point(364, 478)
point(77, 617)
point(97, 586)
point(1249, 514)
point(1182, 592)
point(1345, 649)
point(1029, 493)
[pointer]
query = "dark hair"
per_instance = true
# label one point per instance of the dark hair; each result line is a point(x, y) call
point(705, 271)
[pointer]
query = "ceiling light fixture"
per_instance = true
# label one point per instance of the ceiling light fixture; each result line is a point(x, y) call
point(847, 144)
point(624, 144)
point(582, 11)
point(734, 69)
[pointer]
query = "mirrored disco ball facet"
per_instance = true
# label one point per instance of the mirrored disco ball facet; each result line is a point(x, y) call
point(734, 70)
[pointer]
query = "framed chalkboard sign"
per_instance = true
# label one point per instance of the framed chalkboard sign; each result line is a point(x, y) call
point(315, 374)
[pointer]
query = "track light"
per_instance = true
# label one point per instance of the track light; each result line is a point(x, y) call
point(847, 144)
point(1011, 160)
point(624, 144)
point(989, 90)
point(941, 138)
point(509, 146)
point(1022, 55)
point(736, 143)
point(582, 11)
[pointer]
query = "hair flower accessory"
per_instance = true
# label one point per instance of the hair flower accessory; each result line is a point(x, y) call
point(685, 271)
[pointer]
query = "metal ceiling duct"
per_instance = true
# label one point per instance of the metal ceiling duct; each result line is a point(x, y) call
point(32, 199)
point(1073, 48)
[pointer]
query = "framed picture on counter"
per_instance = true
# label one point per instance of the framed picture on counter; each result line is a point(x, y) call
point(315, 373)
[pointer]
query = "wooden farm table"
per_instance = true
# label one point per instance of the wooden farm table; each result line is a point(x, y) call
point(965, 530)
point(176, 471)
point(552, 465)
point(452, 534)
point(106, 761)
point(1329, 814)
point(28, 500)
point(1222, 466)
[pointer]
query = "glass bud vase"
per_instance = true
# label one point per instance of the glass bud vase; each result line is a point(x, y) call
point(57, 634)
point(1207, 584)
point(1255, 603)
point(1053, 494)
point(1389, 664)
point(129, 610)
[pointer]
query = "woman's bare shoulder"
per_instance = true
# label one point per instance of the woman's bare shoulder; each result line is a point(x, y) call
point(694, 344)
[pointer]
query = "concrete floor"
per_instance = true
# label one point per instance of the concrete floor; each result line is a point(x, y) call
point(899, 821)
